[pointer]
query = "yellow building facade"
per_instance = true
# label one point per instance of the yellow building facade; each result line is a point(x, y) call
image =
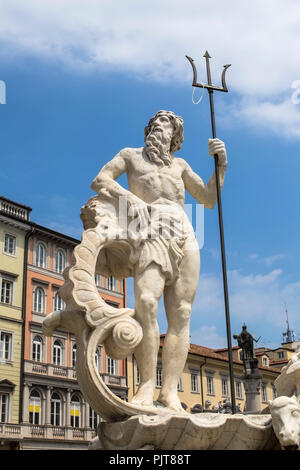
point(13, 230)
point(205, 383)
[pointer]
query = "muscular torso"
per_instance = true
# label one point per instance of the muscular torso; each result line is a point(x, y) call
point(152, 183)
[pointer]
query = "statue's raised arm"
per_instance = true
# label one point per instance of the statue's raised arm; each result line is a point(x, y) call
point(206, 194)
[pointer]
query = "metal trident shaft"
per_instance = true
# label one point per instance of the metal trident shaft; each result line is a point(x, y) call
point(210, 88)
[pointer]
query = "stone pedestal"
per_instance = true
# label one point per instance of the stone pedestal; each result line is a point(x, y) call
point(252, 384)
point(203, 431)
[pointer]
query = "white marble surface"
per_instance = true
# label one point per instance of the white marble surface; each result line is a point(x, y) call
point(203, 431)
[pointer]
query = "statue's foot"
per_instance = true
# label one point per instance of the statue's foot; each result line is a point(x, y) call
point(172, 402)
point(144, 395)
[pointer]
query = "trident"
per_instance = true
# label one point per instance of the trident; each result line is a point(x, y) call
point(210, 88)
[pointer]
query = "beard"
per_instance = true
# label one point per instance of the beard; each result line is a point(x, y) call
point(157, 151)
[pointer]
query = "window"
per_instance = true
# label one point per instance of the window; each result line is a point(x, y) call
point(74, 352)
point(224, 381)
point(98, 280)
point(75, 412)
point(58, 303)
point(274, 392)
point(55, 410)
point(10, 244)
point(37, 349)
point(264, 392)
point(110, 283)
point(112, 366)
point(6, 345)
point(57, 353)
point(194, 383)
point(98, 359)
point(280, 355)
point(265, 361)
point(158, 376)
point(35, 408)
point(60, 261)
point(40, 255)
point(4, 407)
point(210, 385)
point(39, 300)
point(6, 291)
point(180, 385)
point(238, 389)
point(94, 419)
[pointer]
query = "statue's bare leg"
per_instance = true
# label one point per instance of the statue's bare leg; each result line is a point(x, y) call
point(148, 288)
point(178, 304)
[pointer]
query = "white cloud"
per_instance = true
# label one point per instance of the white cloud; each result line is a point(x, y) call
point(151, 39)
point(259, 38)
point(281, 117)
point(257, 299)
point(273, 259)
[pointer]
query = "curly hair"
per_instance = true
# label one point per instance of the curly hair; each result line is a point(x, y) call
point(177, 122)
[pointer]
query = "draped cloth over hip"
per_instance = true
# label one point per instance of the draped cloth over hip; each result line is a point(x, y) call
point(162, 241)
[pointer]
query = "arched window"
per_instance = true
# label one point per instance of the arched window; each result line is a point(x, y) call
point(56, 409)
point(60, 261)
point(57, 353)
point(75, 411)
point(37, 349)
point(74, 351)
point(98, 359)
point(39, 300)
point(40, 253)
point(35, 407)
point(58, 303)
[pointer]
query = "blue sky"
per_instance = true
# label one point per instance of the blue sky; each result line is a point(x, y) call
point(82, 81)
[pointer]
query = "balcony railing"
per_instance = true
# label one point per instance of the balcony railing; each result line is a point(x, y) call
point(50, 370)
point(36, 431)
point(10, 430)
point(15, 210)
point(58, 432)
point(69, 373)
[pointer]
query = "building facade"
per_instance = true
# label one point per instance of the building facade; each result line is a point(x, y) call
point(14, 231)
point(46, 409)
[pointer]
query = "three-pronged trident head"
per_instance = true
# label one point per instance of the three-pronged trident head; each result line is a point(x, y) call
point(209, 86)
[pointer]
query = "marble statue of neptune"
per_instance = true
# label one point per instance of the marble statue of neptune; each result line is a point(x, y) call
point(168, 262)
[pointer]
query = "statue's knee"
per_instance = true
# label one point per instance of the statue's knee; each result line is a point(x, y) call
point(147, 307)
point(183, 314)
point(148, 301)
